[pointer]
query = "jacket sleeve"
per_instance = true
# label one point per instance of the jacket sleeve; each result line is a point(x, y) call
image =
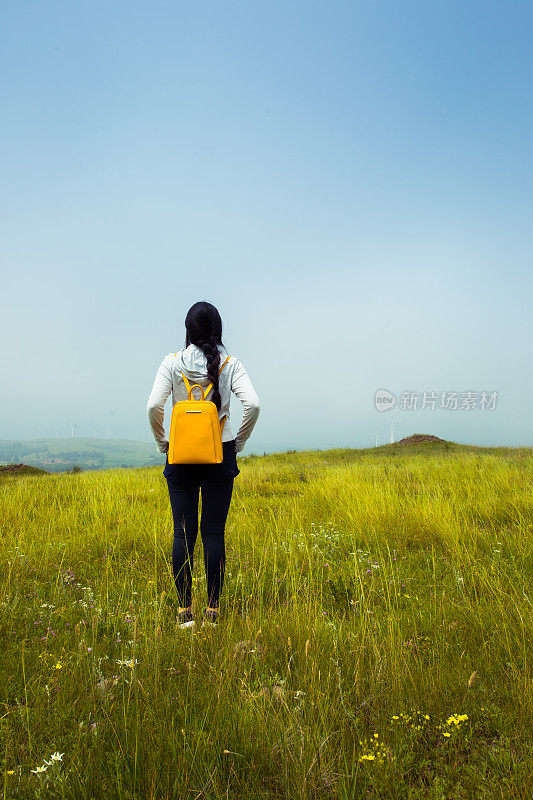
point(241, 386)
point(156, 403)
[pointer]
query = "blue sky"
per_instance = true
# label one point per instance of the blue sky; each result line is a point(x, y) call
point(350, 183)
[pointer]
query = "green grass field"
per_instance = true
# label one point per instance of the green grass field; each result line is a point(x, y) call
point(374, 641)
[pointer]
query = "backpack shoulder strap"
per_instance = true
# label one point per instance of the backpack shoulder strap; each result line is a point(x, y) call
point(223, 365)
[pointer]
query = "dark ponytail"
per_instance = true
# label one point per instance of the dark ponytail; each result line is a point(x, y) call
point(204, 329)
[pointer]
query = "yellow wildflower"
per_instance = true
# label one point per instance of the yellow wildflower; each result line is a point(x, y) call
point(456, 719)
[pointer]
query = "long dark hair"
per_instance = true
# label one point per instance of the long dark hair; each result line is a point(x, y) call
point(203, 327)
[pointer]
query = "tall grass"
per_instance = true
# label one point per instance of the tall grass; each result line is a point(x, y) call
point(374, 641)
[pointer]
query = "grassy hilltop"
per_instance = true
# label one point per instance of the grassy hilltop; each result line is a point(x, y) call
point(374, 641)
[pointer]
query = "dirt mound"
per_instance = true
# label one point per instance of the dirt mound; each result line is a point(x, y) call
point(20, 469)
point(418, 438)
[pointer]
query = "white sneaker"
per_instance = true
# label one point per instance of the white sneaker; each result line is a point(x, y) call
point(210, 617)
point(185, 619)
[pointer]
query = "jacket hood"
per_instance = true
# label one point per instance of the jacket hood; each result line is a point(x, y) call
point(193, 361)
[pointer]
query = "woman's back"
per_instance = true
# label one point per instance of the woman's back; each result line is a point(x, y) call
point(193, 363)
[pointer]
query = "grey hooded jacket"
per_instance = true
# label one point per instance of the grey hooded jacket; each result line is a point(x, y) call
point(193, 362)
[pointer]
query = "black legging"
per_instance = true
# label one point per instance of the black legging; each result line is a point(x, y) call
point(184, 481)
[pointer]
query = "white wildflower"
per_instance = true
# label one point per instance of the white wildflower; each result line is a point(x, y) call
point(131, 663)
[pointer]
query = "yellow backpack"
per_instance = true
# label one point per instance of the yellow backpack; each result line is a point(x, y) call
point(195, 430)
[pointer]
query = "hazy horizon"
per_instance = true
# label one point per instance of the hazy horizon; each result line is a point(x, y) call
point(349, 184)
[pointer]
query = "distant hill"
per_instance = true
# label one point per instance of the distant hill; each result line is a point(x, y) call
point(19, 469)
point(60, 455)
point(428, 443)
point(418, 438)
point(418, 444)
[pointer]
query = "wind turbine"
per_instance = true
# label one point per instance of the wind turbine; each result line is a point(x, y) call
point(375, 433)
point(74, 429)
point(392, 422)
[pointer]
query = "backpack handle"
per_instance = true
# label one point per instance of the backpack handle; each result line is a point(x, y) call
point(190, 394)
point(206, 391)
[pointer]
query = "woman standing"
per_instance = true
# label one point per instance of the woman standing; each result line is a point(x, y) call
point(200, 361)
